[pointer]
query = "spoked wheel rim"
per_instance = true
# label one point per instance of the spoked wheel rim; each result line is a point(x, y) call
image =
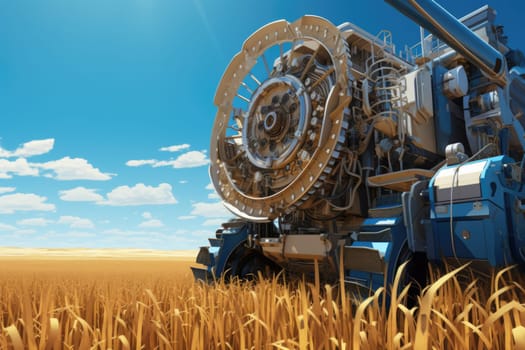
point(277, 127)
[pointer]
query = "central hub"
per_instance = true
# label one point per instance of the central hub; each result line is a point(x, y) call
point(273, 124)
point(276, 122)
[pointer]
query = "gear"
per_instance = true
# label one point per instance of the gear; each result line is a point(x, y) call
point(272, 151)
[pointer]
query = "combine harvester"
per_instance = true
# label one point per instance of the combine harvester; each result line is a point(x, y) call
point(332, 148)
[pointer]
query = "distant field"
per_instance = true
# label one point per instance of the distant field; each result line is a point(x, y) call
point(79, 253)
point(84, 299)
point(64, 299)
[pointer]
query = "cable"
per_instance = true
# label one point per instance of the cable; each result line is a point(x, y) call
point(352, 195)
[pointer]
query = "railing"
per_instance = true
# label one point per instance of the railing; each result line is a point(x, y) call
point(431, 47)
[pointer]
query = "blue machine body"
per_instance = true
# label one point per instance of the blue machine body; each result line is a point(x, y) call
point(351, 154)
point(218, 256)
point(487, 226)
point(390, 251)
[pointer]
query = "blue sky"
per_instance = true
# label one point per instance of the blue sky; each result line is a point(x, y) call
point(106, 109)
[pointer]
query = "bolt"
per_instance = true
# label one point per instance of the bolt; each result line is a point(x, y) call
point(257, 177)
point(304, 155)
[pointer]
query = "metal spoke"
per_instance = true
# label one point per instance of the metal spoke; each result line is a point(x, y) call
point(310, 62)
point(292, 48)
point(281, 53)
point(238, 119)
point(266, 66)
point(243, 98)
point(246, 87)
point(325, 74)
point(255, 79)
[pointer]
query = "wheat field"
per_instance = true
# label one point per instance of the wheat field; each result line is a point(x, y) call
point(68, 303)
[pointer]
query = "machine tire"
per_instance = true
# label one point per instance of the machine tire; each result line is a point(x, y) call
point(415, 272)
point(250, 263)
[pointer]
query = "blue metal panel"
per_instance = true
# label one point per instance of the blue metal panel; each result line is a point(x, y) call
point(480, 228)
point(393, 248)
point(231, 240)
point(475, 235)
point(367, 279)
point(377, 224)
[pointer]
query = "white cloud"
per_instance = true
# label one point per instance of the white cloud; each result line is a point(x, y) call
point(34, 222)
point(175, 148)
point(18, 167)
point(65, 238)
point(29, 149)
point(11, 203)
point(141, 162)
point(140, 194)
point(147, 215)
point(151, 223)
point(213, 222)
point(78, 234)
point(73, 169)
point(183, 182)
point(80, 194)
point(210, 210)
point(63, 169)
point(25, 232)
point(213, 195)
point(118, 232)
point(128, 233)
point(191, 159)
point(187, 217)
point(75, 222)
point(6, 227)
point(7, 189)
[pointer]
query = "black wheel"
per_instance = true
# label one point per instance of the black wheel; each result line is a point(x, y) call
point(251, 263)
point(415, 273)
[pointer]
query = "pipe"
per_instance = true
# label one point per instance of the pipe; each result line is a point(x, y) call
point(434, 18)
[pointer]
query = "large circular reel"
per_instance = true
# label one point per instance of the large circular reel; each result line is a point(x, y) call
point(275, 140)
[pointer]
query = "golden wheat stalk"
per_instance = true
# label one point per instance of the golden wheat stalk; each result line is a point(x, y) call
point(156, 305)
